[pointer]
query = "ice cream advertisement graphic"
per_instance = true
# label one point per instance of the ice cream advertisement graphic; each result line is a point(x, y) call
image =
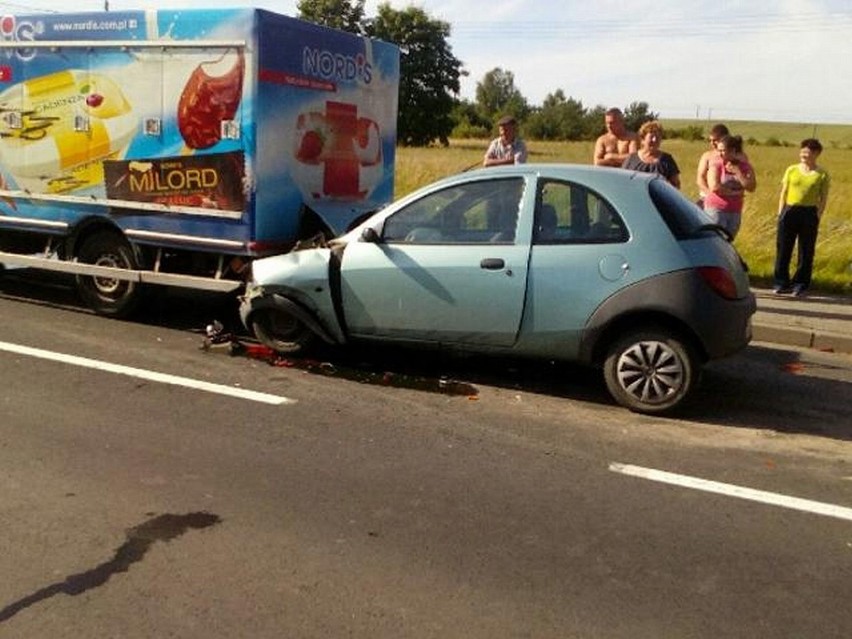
point(183, 118)
point(209, 181)
point(337, 152)
point(56, 129)
point(211, 96)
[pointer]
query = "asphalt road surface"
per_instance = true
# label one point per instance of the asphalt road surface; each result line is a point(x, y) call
point(150, 488)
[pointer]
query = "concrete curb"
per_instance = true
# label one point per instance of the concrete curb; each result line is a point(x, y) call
point(803, 338)
point(819, 321)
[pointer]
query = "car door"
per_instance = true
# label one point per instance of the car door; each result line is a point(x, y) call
point(581, 255)
point(450, 267)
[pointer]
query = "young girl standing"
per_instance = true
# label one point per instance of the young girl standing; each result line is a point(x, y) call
point(804, 193)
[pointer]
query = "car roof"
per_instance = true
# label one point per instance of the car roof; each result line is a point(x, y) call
point(599, 178)
point(563, 170)
point(619, 185)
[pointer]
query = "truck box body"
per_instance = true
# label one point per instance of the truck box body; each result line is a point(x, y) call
point(208, 130)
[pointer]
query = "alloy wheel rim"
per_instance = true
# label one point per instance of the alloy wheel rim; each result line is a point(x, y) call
point(651, 372)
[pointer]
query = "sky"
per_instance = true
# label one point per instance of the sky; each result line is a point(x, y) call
point(771, 60)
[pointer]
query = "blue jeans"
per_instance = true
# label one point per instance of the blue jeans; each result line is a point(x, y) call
point(727, 220)
point(796, 223)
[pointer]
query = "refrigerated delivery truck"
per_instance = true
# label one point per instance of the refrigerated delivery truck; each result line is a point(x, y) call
point(173, 146)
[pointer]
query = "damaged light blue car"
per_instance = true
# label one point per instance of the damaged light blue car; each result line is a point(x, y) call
point(605, 267)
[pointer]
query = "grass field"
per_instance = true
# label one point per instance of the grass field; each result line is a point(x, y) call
point(832, 136)
point(417, 167)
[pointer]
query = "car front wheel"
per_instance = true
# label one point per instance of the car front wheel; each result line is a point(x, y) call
point(281, 331)
point(650, 371)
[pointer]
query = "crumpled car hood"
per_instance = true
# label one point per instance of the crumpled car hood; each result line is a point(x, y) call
point(294, 269)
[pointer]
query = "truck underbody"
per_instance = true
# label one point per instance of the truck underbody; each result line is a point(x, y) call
point(111, 271)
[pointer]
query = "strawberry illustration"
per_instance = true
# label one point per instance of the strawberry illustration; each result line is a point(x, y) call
point(310, 147)
point(94, 100)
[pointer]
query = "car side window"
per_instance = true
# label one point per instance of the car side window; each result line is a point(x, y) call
point(568, 213)
point(480, 212)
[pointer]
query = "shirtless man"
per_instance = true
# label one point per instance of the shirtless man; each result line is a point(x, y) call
point(613, 147)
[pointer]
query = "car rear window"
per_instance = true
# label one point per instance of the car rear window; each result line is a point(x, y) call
point(569, 213)
point(682, 216)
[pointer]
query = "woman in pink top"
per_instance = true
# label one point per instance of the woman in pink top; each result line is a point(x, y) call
point(728, 178)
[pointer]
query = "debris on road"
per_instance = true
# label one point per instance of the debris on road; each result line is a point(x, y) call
point(216, 336)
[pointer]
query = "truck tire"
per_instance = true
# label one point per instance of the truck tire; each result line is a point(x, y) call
point(281, 331)
point(650, 371)
point(105, 295)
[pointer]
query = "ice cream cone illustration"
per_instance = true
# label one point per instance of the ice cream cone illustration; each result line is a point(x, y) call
point(208, 100)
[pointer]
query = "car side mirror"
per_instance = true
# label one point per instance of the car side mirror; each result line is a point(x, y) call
point(370, 235)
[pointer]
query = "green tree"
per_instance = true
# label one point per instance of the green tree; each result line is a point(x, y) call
point(468, 123)
point(497, 95)
point(593, 122)
point(347, 15)
point(637, 114)
point(558, 118)
point(429, 73)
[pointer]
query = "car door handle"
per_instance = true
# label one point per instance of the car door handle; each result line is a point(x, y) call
point(492, 263)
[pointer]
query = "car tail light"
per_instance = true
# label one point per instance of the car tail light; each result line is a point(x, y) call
point(720, 280)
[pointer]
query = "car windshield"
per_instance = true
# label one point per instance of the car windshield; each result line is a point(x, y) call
point(482, 211)
point(682, 216)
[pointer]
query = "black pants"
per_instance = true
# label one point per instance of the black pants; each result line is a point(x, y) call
point(796, 223)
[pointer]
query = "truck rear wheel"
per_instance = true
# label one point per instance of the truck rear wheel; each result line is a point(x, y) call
point(106, 295)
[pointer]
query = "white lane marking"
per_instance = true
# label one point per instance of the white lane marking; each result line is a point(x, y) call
point(731, 490)
point(153, 376)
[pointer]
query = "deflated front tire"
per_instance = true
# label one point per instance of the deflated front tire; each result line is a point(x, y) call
point(281, 331)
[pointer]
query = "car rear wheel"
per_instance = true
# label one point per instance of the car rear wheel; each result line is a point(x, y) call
point(650, 371)
point(281, 331)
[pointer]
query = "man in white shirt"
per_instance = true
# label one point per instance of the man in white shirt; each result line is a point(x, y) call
point(508, 148)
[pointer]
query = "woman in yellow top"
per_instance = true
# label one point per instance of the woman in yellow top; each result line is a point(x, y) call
point(804, 193)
